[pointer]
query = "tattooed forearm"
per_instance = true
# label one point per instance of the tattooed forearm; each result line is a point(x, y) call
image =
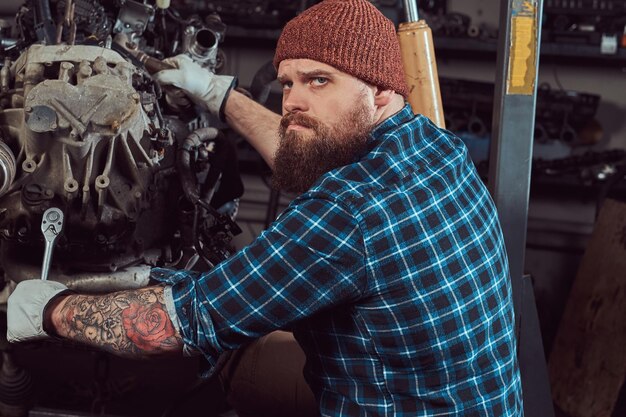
point(128, 323)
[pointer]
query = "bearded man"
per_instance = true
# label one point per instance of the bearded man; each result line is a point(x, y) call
point(389, 267)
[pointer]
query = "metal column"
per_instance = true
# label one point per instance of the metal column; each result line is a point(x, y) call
point(412, 13)
point(509, 180)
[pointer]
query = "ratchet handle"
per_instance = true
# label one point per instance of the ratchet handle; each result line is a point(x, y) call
point(51, 227)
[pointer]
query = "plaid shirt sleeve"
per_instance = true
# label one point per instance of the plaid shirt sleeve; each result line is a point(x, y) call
point(310, 259)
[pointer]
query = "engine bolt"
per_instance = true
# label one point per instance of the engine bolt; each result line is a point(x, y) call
point(29, 165)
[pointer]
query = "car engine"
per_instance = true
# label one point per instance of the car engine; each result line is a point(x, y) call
point(139, 176)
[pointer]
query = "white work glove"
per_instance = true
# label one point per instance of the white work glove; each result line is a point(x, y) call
point(26, 306)
point(201, 85)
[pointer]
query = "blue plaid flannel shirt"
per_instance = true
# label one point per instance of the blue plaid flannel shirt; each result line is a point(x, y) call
point(392, 274)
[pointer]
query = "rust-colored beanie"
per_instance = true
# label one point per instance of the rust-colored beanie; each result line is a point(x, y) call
point(350, 35)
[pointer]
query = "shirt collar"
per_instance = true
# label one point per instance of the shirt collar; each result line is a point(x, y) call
point(390, 123)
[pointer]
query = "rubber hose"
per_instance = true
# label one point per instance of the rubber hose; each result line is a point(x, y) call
point(183, 160)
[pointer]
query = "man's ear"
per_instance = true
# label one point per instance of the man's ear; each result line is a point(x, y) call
point(383, 97)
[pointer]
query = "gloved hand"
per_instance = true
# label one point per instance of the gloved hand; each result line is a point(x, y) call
point(26, 306)
point(201, 85)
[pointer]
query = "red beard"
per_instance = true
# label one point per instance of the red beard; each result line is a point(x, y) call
point(302, 157)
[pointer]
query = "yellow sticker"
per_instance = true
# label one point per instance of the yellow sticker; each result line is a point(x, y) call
point(523, 53)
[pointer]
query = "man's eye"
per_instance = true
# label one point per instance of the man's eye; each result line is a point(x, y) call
point(287, 85)
point(319, 80)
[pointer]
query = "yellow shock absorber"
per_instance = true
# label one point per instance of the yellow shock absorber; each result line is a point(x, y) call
point(420, 70)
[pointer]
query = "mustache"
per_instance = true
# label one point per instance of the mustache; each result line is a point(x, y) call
point(300, 119)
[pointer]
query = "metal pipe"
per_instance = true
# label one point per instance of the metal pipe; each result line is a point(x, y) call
point(129, 278)
point(8, 42)
point(46, 29)
point(204, 44)
point(201, 44)
point(412, 14)
point(5, 75)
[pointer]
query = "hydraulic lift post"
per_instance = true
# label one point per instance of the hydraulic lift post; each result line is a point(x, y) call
point(510, 163)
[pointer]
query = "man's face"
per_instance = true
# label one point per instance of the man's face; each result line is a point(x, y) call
point(327, 116)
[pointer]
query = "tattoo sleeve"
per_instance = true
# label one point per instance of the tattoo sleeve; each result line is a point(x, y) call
point(129, 323)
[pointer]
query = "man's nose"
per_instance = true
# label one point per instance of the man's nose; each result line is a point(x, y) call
point(295, 100)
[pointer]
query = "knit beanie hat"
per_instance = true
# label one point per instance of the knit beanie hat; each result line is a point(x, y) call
point(350, 35)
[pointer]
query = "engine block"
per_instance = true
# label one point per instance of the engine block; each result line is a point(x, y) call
point(81, 135)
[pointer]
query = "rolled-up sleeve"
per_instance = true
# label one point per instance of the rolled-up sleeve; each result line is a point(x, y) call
point(310, 259)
